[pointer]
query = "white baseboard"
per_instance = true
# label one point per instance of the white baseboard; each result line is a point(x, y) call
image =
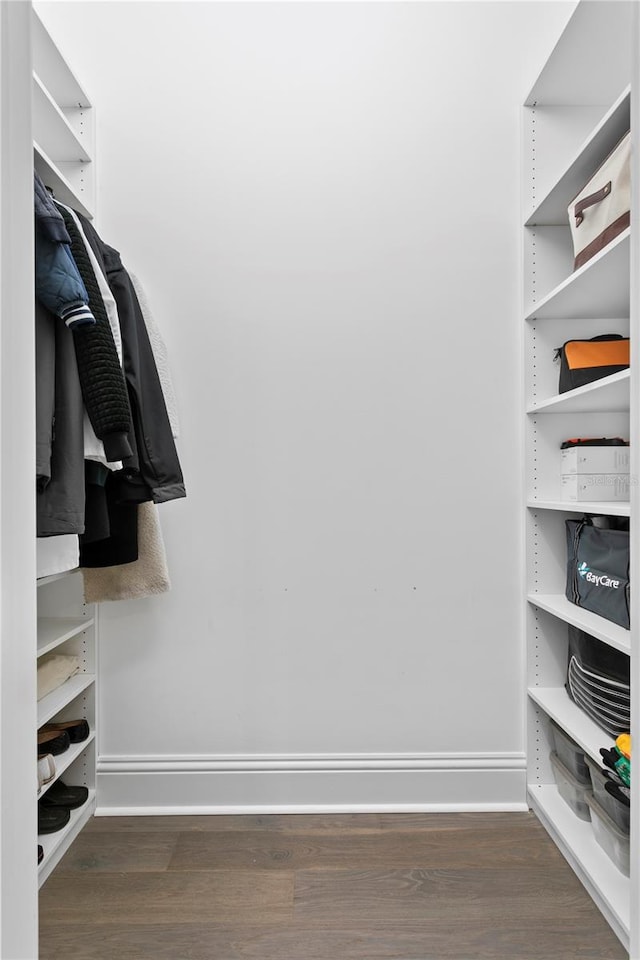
point(362, 783)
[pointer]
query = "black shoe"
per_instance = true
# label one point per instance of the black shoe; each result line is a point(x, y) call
point(52, 741)
point(52, 819)
point(77, 730)
point(40, 853)
point(60, 795)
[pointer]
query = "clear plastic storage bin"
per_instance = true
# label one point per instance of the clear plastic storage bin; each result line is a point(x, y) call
point(616, 810)
point(570, 789)
point(611, 838)
point(569, 753)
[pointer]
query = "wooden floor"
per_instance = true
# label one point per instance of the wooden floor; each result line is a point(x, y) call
point(371, 887)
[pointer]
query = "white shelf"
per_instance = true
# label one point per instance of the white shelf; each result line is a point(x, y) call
point(607, 395)
point(610, 508)
point(598, 289)
point(53, 68)
point(64, 760)
point(556, 704)
point(52, 176)
point(53, 131)
point(613, 126)
point(52, 631)
point(558, 605)
point(591, 62)
point(43, 581)
point(609, 887)
point(55, 701)
point(55, 845)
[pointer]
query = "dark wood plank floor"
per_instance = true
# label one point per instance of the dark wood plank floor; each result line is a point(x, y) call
point(361, 887)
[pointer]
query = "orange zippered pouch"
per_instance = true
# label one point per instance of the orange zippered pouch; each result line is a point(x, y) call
point(597, 353)
point(583, 361)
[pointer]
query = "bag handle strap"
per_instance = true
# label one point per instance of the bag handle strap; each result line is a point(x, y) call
point(589, 201)
point(582, 523)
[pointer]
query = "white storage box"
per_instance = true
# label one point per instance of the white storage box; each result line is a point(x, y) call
point(595, 486)
point(614, 808)
point(609, 836)
point(571, 790)
point(588, 460)
point(569, 753)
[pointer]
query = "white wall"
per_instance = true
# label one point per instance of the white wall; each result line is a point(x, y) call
point(322, 201)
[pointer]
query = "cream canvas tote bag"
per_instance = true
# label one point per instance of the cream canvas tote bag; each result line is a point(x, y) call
point(601, 211)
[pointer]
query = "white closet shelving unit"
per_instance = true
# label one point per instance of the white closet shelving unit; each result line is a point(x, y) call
point(63, 130)
point(67, 625)
point(62, 123)
point(580, 106)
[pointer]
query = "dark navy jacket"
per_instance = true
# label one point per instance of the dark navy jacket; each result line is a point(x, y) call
point(59, 286)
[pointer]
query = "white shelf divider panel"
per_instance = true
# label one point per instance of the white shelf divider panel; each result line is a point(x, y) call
point(58, 699)
point(610, 889)
point(55, 845)
point(52, 631)
point(590, 64)
point(598, 289)
point(610, 508)
point(598, 145)
point(607, 395)
point(559, 606)
point(556, 704)
point(52, 129)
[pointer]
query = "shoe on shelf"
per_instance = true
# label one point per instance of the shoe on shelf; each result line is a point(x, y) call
point(61, 795)
point(52, 741)
point(40, 853)
point(78, 730)
point(46, 770)
point(52, 819)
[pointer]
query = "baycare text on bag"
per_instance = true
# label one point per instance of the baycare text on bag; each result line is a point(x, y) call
point(598, 566)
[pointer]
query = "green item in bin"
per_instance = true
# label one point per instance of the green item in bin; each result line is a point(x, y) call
point(623, 768)
point(616, 761)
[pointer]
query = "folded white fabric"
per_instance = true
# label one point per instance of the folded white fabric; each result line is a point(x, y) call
point(57, 554)
point(54, 669)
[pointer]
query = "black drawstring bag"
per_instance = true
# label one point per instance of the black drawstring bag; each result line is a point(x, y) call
point(598, 566)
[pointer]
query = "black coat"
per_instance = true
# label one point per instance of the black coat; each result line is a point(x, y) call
point(154, 471)
point(60, 498)
point(103, 385)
